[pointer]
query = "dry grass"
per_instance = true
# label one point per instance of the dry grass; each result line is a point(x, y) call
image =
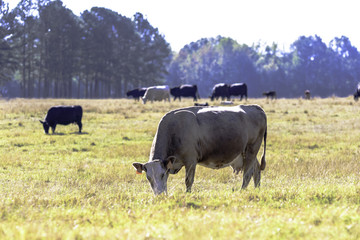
point(82, 186)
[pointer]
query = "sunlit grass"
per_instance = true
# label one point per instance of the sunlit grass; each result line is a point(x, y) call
point(82, 186)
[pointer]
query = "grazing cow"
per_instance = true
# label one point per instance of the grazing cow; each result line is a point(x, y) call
point(136, 93)
point(270, 94)
point(214, 137)
point(238, 89)
point(220, 90)
point(185, 91)
point(307, 94)
point(156, 93)
point(357, 93)
point(63, 115)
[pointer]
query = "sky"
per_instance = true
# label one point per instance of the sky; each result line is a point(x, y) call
point(246, 21)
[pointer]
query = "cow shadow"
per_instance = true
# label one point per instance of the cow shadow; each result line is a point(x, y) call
point(73, 133)
point(58, 134)
point(79, 133)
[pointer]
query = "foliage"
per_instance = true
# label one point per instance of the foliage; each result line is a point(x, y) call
point(309, 64)
point(82, 186)
point(47, 51)
point(7, 59)
point(210, 61)
point(99, 54)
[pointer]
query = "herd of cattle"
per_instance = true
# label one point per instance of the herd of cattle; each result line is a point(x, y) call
point(220, 90)
point(214, 137)
point(159, 93)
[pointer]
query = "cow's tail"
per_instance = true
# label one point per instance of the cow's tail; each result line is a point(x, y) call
point(263, 161)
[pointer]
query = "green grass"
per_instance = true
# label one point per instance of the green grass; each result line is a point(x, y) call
point(83, 186)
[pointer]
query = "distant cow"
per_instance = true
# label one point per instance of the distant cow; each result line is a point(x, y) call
point(214, 137)
point(357, 93)
point(136, 93)
point(307, 94)
point(220, 90)
point(270, 94)
point(62, 115)
point(238, 89)
point(156, 93)
point(185, 91)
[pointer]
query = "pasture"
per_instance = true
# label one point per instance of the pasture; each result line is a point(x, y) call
point(83, 186)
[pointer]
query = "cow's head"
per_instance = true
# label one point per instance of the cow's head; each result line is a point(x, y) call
point(157, 173)
point(46, 126)
point(144, 100)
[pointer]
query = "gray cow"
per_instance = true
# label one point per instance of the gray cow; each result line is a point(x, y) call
point(156, 93)
point(214, 137)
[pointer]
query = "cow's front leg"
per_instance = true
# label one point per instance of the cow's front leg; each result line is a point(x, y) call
point(53, 128)
point(189, 178)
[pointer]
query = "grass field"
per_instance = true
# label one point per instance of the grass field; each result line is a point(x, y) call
point(83, 186)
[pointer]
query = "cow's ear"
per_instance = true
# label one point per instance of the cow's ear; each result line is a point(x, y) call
point(168, 163)
point(139, 167)
point(41, 122)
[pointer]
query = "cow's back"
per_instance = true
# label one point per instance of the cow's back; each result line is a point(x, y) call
point(238, 89)
point(188, 90)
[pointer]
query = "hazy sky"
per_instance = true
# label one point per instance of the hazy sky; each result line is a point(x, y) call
point(250, 21)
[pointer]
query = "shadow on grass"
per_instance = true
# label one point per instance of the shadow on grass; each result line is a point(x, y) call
point(78, 133)
point(73, 133)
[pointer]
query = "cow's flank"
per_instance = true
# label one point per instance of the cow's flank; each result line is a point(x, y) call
point(156, 93)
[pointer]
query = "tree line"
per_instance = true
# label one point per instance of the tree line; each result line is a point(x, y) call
point(47, 51)
point(309, 65)
point(50, 52)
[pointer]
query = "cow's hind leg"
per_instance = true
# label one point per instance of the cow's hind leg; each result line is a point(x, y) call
point(248, 172)
point(251, 165)
point(80, 126)
point(257, 173)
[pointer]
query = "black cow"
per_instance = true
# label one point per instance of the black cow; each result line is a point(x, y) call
point(185, 91)
point(238, 89)
point(357, 93)
point(270, 94)
point(220, 90)
point(136, 93)
point(63, 115)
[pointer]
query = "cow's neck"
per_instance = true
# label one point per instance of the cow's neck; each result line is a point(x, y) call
point(161, 145)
